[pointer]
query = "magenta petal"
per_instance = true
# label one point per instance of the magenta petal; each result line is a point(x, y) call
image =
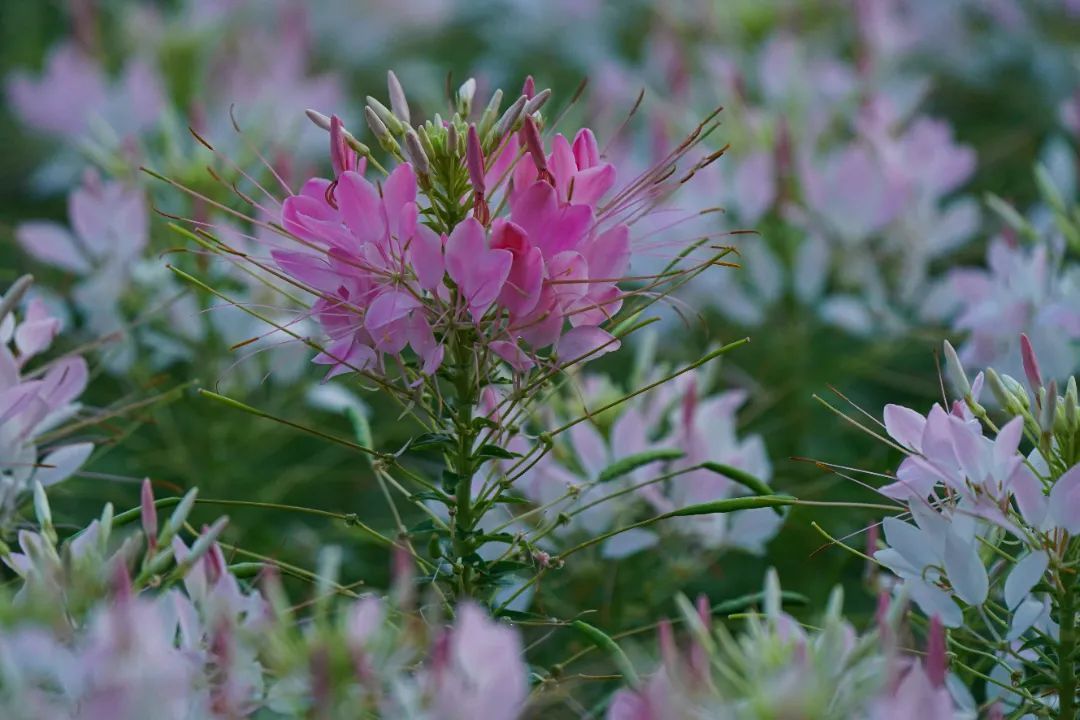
point(609, 254)
point(426, 251)
point(586, 150)
point(361, 208)
point(513, 355)
point(389, 307)
point(311, 269)
point(591, 185)
point(586, 341)
point(398, 191)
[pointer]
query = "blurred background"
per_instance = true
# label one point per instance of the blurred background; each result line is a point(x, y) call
point(876, 146)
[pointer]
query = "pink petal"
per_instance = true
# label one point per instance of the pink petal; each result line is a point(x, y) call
point(389, 307)
point(311, 269)
point(586, 341)
point(52, 244)
point(361, 208)
point(64, 463)
point(1065, 501)
point(426, 251)
point(608, 255)
point(905, 426)
point(513, 355)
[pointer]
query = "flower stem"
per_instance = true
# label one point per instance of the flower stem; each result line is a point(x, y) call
point(1067, 649)
point(465, 399)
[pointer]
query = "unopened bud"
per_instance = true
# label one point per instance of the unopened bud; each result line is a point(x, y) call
point(508, 121)
point(320, 120)
point(1072, 406)
point(416, 154)
point(1017, 390)
point(1031, 364)
point(1048, 411)
point(537, 101)
point(998, 390)
point(398, 103)
point(148, 512)
point(954, 370)
point(474, 159)
point(43, 512)
point(535, 145)
point(465, 96)
point(487, 118)
point(452, 140)
point(425, 141)
point(529, 88)
point(393, 125)
point(381, 132)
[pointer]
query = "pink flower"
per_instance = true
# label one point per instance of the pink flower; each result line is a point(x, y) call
point(477, 670)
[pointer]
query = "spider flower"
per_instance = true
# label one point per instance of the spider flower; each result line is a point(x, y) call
point(484, 236)
point(34, 403)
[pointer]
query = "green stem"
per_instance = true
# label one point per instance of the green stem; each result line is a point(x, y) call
point(463, 465)
point(1067, 649)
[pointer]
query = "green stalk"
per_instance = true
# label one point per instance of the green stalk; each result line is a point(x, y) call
point(463, 465)
point(1067, 649)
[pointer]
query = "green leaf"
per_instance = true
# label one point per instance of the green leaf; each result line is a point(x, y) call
point(631, 463)
point(430, 440)
point(602, 640)
point(750, 482)
point(717, 507)
point(494, 451)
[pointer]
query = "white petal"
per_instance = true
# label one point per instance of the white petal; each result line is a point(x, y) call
point(1024, 576)
point(966, 571)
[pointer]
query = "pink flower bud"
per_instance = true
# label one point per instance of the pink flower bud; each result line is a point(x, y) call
point(529, 88)
point(341, 155)
point(530, 135)
point(474, 160)
point(935, 652)
point(1031, 364)
point(149, 513)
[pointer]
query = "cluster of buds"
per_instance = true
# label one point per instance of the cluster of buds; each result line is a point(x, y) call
point(779, 668)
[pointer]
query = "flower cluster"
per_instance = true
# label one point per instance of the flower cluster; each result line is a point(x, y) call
point(34, 403)
point(150, 626)
point(425, 260)
point(994, 530)
point(679, 450)
point(778, 668)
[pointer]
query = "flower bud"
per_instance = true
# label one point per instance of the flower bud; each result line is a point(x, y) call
point(935, 653)
point(381, 132)
point(999, 391)
point(398, 103)
point(1017, 391)
point(416, 154)
point(535, 145)
point(507, 122)
point(321, 121)
point(148, 512)
point(1031, 364)
point(537, 102)
point(954, 370)
point(452, 140)
point(388, 118)
point(1048, 411)
point(529, 88)
point(465, 96)
point(43, 512)
point(474, 160)
point(487, 118)
point(1072, 406)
